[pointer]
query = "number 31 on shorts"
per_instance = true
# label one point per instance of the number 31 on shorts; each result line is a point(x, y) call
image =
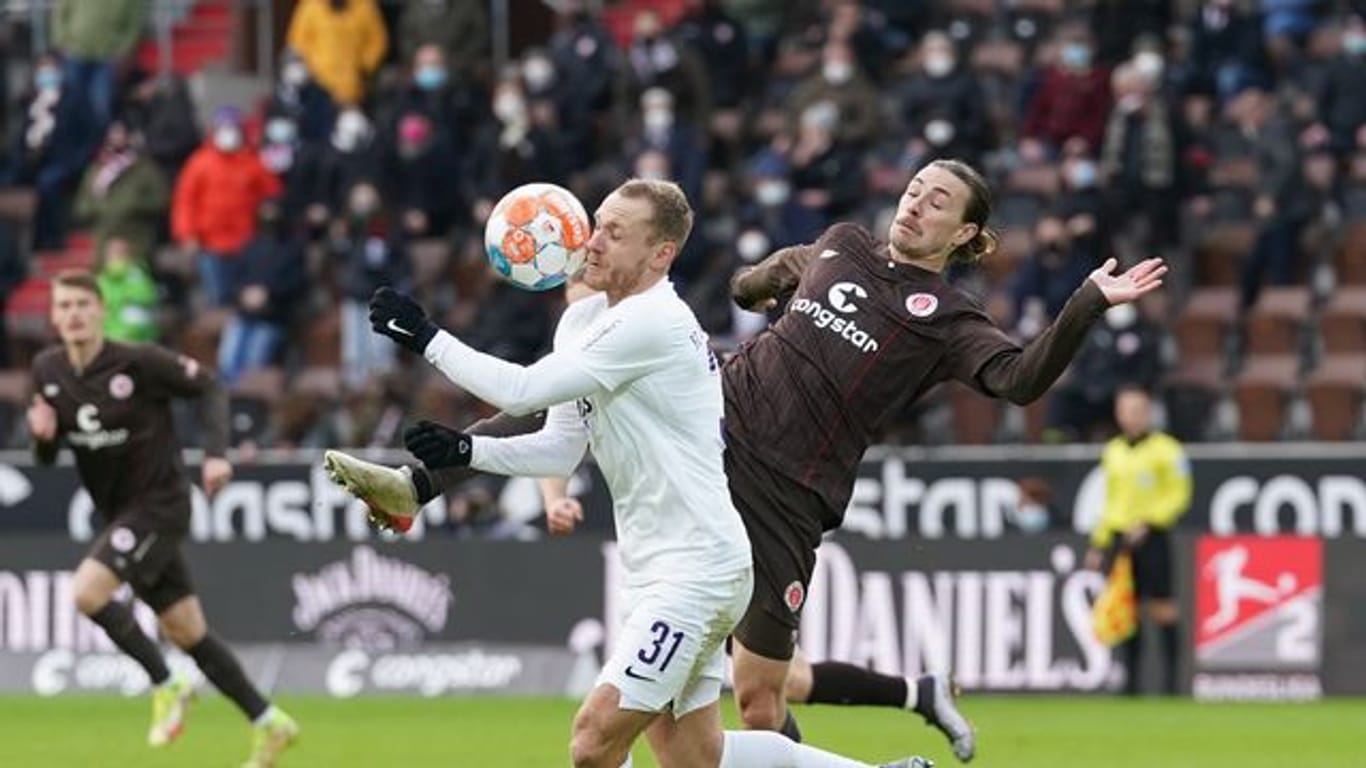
point(658, 651)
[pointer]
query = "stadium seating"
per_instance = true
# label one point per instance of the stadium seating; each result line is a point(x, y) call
point(1335, 390)
point(1342, 324)
point(1275, 324)
point(1263, 390)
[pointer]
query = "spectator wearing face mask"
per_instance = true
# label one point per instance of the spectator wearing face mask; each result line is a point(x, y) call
point(125, 192)
point(299, 98)
point(580, 68)
point(826, 172)
point(294, 161)
point(423, 166)
point(343, 42)
point(436, 93)
point(511, 150)
point(273, 283)
point(1081, 206)
point(362, 246)
point(1071, 101)
point(663, 129)
point(95, 38)
point(659, 59)
point(461, 29)
point(214, 205)
point(1047, 278)
point(1342, 99)
point(1138, 157)
point(1226, 48)
point(349, 158)
point(131, 299)
point(1124, 350)
point(840, 83)
point(942, 105)
point(772, 207)
point(51, 148)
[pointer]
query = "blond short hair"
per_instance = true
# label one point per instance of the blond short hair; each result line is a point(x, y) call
point(672, 216)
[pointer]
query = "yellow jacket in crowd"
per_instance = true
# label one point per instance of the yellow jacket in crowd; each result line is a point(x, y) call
point(1147, 482)
point(341, 47)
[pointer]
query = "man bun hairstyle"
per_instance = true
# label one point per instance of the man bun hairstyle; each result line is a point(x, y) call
point(977, 211)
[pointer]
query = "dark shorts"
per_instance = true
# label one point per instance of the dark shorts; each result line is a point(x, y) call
point(148, 558)
point(783, 522)
point(1153, 566)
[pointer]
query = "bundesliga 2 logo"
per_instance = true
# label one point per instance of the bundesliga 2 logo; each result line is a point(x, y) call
point(1258, 603)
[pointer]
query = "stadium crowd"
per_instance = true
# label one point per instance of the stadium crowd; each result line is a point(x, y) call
point(1228, 136)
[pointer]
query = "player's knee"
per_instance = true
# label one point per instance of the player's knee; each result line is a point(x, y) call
point(589, 749)
point(181, 634)
point(89, 600)
point(590, 746)
point(760, 706)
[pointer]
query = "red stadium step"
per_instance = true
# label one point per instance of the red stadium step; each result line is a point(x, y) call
point(29, 298)
point(203, 37)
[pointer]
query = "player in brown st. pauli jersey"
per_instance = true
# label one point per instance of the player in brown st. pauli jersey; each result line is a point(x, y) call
point(111, 403)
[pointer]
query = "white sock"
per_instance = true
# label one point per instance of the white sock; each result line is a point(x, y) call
point(766, 749)
point(628, 762)
point(264, 717)
point(912, 693)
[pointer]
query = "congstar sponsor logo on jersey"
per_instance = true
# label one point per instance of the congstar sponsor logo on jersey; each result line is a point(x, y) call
point(838, 317)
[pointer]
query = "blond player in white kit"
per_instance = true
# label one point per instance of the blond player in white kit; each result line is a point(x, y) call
point(632, 377)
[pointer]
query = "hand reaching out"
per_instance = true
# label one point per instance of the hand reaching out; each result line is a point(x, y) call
point(1139, 280)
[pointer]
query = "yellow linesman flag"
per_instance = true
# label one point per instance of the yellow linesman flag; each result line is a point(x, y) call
point(1115, 615)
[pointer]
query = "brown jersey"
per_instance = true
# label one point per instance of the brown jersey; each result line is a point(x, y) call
point(861, 339)
point(116, 416)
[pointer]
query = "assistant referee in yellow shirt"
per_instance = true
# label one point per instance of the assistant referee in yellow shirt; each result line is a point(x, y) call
point(1147, 489)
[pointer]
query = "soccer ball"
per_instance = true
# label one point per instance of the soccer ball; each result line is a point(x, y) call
point(536, 235)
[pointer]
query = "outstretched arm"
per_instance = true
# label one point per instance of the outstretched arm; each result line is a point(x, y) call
point(1023, 375)
point(553, 451)
point(764, 285)
point(518, 390)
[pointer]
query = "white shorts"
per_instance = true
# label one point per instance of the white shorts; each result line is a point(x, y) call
point(670, 652)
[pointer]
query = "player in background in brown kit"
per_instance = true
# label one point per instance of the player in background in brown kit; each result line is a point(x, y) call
point(111, 403)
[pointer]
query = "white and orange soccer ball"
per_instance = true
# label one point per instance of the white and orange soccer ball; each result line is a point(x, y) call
point(536, 235)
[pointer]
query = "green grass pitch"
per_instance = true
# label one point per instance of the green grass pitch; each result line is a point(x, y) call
point(1019, 732)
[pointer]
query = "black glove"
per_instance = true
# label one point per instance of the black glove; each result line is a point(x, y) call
point(438, 446)
point(401, 319)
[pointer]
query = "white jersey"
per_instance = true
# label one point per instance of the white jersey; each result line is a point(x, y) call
point(655, 430)
point(638, 383)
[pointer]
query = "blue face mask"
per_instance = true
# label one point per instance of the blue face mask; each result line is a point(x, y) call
point(280, 131)
point(430, 78)
point(1083, 175)
point(47, 78)
point(1076, 55)
point(1354, 43)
